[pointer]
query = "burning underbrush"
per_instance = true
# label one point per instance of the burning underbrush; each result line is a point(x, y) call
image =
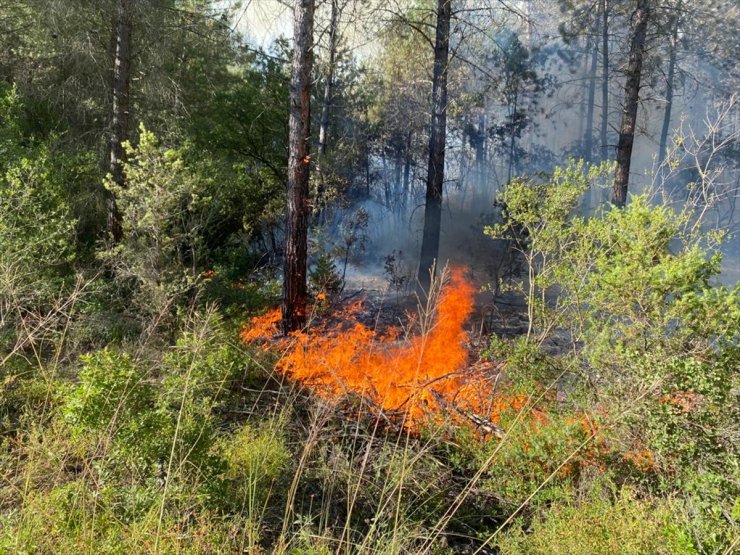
point(412, 379)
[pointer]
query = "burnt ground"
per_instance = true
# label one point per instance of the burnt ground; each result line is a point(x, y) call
point(504, 315)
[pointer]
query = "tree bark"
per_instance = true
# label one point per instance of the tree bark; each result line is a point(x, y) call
point(326, 108)
point(299, 125)
point(481, 189)
point(669, 86)
point(329, 84)
point(633, 73)
point(120, 107)
point(435, 173)
point(604, 80)
point(512, 144)
point(406, 175)
point(588, 146)
point(398, 186)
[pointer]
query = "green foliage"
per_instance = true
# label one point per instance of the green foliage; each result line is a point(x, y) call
point(165, 207)
point(324, 276)
point(133, 421)
point(255, 458)
point(112, 390)
point(545, 447)
point(653, 340)
point(114, 404)
point(36, 229)
point(603, 523)
point(145, 425)
point(38, 254)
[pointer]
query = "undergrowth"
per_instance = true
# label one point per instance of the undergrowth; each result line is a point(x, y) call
point(133, 419)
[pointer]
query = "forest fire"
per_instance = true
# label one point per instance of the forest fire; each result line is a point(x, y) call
point(416, 380)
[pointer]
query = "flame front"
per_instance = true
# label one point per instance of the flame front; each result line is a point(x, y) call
point(416, 379)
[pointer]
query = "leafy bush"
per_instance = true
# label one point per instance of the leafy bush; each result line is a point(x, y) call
point(603, 523)
point(164, 208)
point(37, 232)
point(156, 421)
point(113, 407)
point(651, 339)
point(324, 277)
point(255, 457)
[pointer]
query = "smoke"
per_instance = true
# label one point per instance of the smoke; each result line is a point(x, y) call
point(552, 130)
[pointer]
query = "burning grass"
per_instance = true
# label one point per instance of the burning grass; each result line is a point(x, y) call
point(416, 380)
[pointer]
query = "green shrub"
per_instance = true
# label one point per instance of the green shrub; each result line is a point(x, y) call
point(255, 460)
point(601, 524)
point(652, 342)
point(324, 278)
point(544, 447)
point(114, 406)
point(164, 207)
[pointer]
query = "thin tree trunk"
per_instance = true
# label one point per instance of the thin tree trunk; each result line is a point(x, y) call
point(512, 145)
point(435, 174)
point(386, 184)
point(669, 87)
point(398, 186)
point(584, 98)
point(638, 33)
point(120, 107)
point(406, 175)
point(299, 126)
point(326, 105)
point(329, 84)
point(480, 156)
point(604, 80)
point(589, 142)
point(484, 163)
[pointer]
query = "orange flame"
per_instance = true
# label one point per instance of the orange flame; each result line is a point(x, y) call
point(417, 380)
point(262, 327)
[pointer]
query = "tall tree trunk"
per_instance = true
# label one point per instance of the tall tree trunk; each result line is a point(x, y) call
point(480, 154)
point(669, 86)
point(435, 174)
point(483, 161)
point(604, 79)
point(584, 98)
point(633, 73)
point(398, 186)
point(406, 175)
point(120, 107)
point(326, 104)
point(329, 84)
point(386, 184)
point(512, 144)
point(299, 126)
point(588, 146)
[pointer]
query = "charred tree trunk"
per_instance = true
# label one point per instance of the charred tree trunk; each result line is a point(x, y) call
point(435, 174)
point(633, 72)
point(120, 107)
point(512, 144)
point(329, 84)
point(387, 196)
point(406, 175)
point(588, 145)
point(398, 186)
point(326, 103)
point(480, 156)
point(669, 86)
point(299, 125)
point(604, 80)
